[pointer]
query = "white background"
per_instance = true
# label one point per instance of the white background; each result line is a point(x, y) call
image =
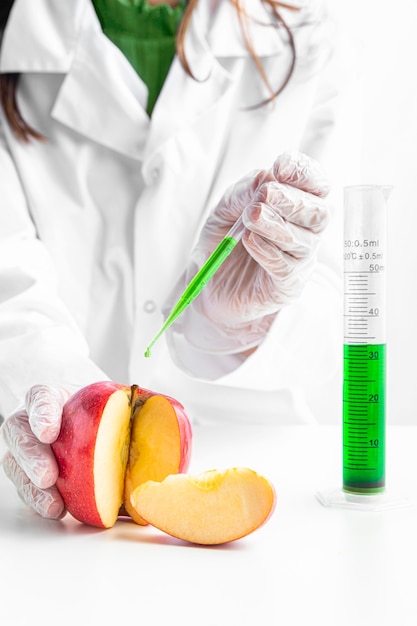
point(380, 55)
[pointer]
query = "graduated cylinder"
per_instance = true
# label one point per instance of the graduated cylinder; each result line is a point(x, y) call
point(364, 351)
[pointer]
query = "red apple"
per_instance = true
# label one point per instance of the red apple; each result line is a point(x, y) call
point(213, 507)
point(109, 440)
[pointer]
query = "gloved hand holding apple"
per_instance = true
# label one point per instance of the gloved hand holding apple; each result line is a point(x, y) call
point(123, 449)
point(30, 463)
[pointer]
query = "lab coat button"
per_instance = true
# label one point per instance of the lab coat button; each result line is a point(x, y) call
point(149, 306)
point(155, 173)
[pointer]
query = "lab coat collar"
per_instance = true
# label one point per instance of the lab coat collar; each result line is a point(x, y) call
point(103, 110)
point(40, 36)
point(106, 111)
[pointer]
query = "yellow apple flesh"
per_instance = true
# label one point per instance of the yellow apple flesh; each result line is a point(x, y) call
point(210, 508)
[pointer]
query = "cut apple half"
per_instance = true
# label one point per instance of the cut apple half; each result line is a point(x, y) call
point(158, 447)
point(92, 451)
point(212, 507)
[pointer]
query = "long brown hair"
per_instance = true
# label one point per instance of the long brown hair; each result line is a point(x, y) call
point(9, 81)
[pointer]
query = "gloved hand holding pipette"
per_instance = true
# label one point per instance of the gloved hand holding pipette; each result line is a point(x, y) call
point(284, 211)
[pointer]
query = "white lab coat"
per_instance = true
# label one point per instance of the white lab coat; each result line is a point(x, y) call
point(97, 223)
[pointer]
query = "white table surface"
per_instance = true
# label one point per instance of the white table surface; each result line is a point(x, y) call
point(308, 565)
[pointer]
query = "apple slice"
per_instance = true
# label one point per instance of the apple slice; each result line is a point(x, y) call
point(109, 437)
point(159, 445)
point(212, 507)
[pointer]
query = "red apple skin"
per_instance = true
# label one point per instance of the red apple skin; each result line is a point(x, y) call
point(81, 418)
point(186, 435)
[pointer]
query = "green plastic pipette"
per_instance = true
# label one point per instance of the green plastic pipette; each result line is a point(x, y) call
point(200, 280)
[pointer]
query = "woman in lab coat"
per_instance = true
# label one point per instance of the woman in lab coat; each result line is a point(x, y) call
point(105, 193)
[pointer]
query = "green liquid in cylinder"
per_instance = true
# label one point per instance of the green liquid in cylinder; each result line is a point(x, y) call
point(364, 418)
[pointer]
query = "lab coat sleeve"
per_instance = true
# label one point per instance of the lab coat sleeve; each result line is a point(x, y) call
point(39, 341)
point(302, 346)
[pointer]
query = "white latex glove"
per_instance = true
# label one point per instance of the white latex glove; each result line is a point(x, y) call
point(284, 212)
point(30, 463)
